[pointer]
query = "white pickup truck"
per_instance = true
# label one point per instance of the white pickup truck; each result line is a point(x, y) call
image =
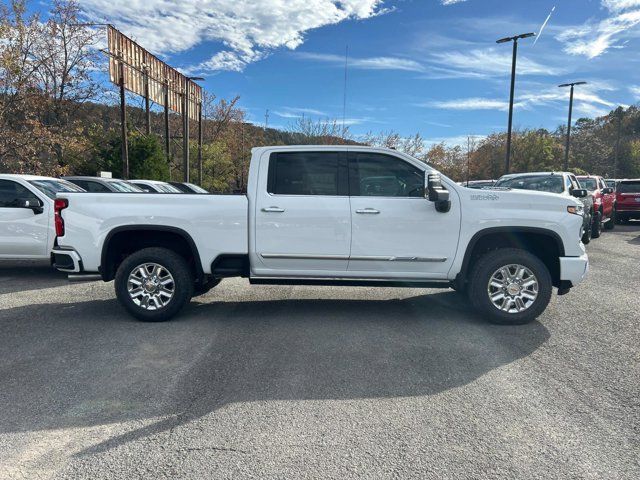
point(329, 215)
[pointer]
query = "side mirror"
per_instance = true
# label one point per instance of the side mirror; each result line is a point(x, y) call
point(35, 205)
point(437, 193)
point(579, 192)
point(607, 190)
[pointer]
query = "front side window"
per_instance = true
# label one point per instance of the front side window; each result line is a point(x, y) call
point(303, 173)
point(125, 187)
point(95, 187)
point(14, 195)
point(380, 175)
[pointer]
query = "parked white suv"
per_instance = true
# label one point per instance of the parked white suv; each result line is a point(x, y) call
point(330, 215)
point(26, 215)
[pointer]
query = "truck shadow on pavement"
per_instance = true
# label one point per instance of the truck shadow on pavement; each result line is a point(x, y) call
point(18, 276)
point(88, 364)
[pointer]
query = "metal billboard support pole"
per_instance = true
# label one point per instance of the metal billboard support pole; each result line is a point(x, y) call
point(200, 143)
point(185, 131)
point(123, 121)
point(147, 110)
point(167, 137)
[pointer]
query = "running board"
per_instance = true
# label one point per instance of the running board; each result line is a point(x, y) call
point(351, 283)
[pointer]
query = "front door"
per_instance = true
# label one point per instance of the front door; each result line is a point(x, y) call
point(23, 232)
point(302, 219)
point(396, 232)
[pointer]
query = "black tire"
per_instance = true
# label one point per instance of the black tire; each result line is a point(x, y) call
point(491, 262)
point(174, 264)
point(203, 288)
point(586, 234)
point(611, 223)
point(596, 225)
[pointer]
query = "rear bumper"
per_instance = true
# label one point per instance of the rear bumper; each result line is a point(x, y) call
point(574, 269)
point(67, 260)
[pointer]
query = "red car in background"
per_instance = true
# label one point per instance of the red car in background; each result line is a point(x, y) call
point(604, 201)
point(628, 199)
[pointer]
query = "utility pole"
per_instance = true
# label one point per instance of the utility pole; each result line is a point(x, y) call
point(514, 39)
point(619, 112)
point(266, 120)
point(568, 139)
point(147, 109)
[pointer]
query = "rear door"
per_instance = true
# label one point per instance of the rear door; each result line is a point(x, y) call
point(23, 232)
point(607, 199)
point(302, 219)
point(396, 232)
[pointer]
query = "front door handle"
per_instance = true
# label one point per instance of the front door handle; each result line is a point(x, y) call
point(371, 211)
point(273, 209)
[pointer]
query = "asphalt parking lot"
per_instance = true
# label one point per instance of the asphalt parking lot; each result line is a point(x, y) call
point(308, 382)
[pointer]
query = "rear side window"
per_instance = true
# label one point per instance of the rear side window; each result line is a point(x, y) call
point(380, 175)
point(304, 173)
point(629, 187)
point(12, 194)
point(96, 187)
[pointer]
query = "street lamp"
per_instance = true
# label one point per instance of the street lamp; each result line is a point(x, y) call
point(513, 84)
point(566, 148)
point(185, 126)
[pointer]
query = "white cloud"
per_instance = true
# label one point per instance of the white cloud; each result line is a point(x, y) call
point(367, 63)
point(451, 2)
point(247, 29)
point(489, 62)
point(295, 112)
point(635, 91)
point(474, 103)
point(595, 38)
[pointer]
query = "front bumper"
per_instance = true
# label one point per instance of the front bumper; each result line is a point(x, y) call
point(574, 269)
point(67, 260)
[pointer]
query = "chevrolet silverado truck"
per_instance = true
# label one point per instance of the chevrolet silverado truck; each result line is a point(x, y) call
point(329, 215)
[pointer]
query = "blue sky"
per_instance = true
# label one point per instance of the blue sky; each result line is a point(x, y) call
point(427, 66)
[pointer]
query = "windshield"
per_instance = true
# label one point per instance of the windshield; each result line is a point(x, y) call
point(196, 188)
point(541, 183)
point(51, 187)
point(629, 187)
point(589, 183)
point(125, 187)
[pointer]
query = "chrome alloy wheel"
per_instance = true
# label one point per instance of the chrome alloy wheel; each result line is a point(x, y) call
point(151, 286)
point(513, 288)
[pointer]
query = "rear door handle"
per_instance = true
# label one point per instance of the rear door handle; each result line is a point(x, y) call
point(273, 209)
point(370, 211)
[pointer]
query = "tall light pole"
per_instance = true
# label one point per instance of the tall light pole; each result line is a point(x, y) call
point(568, 140)
point(185, 127)
point(513, 39)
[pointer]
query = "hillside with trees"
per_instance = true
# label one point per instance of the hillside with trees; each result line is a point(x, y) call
point(57, 117)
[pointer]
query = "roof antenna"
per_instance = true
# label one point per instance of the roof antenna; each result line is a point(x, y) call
point(344, 96)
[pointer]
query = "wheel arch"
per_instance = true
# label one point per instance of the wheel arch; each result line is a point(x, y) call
point(542, 242)
point(119, 241)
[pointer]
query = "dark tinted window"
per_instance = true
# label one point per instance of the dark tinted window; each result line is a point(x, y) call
point(629, 187)
point(95, 187)
point(12, 194)
point(303, 173)
point(379, 175)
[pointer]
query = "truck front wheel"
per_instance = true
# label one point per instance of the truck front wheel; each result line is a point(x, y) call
point(510, 286)
point(153, 284)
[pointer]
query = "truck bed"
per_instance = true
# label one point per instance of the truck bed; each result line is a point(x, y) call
point(217, 224)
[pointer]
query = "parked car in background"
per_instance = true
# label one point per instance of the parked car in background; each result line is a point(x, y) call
point(155, 186)
point(628, 200)
point(604, 200)
point(478, 183)
point(322, 215)
point(186, 187)
point(104, 185)
point(27, 225)
point(562, 183)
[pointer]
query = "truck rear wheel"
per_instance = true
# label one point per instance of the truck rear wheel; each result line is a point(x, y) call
point(510, 286)
point(153, 284)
